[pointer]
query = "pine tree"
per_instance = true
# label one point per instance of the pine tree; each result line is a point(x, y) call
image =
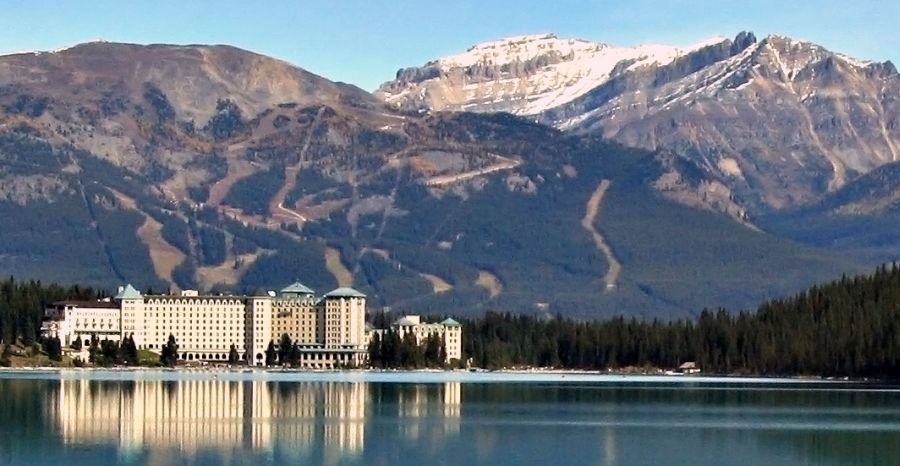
point(233, 356)
point(169, 354)
point(54, 348)
point(110, 353)
point(129, 351)
point(94, 350)
point(433, 351)
point(271, 354)
point(285, 346)
point(296, 355)
point(375, 352)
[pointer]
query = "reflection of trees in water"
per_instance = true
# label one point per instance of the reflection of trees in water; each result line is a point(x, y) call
point(836, 447)
point(23, 419)
point(789, 395)
point(331, 423)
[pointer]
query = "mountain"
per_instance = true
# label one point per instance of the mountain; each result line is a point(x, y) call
point(214, 167)
point(191, 77)
point(861, 218)
point(779, 123)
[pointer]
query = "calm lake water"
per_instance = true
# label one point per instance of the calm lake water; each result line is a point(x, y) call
point(162, 418)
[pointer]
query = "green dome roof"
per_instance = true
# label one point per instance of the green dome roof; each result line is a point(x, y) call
point(297, 288)
point(129, 293)
point(406, 321)
point(448, 322)
point(344, 292)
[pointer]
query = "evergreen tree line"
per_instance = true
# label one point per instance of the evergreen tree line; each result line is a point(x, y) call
point(850, 327)
point(110, 353)
point(22, 307)
point(390, 350)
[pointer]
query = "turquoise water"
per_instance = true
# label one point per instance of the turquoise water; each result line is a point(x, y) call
point(162, 418)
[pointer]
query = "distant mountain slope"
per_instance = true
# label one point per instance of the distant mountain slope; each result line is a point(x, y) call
point(192, 77)
point(863, 218)
point(779, 122)
point(212, 167)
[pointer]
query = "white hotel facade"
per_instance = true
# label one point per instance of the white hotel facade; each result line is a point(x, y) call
point(330, 330)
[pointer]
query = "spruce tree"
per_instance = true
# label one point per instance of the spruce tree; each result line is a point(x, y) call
point(169, 354)
point(296, 355)
point(129, 351)
point(271, 354)
point(54, 348)
point(233, 356)
point(375, 351)
point(285, 346)
point(94, 350)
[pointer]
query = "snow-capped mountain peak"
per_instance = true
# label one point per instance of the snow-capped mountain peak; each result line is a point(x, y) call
point(539, 71)
point(780, 121)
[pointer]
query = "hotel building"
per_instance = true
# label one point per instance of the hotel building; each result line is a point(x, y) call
point(329, 330)
point(449, 330)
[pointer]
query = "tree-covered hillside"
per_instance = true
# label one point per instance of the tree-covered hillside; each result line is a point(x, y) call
point(22, 306)
point(849, 327)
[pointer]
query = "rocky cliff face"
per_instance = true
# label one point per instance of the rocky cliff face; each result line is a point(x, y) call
point(523, 75)
point(778, 122)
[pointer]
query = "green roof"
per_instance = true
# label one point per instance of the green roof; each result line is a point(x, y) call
point(405, 321)
point(344, 292)
point(129, 293)
point(450, 322)
point(298, 288)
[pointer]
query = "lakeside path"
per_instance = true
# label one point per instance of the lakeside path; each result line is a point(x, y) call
point(416, 377)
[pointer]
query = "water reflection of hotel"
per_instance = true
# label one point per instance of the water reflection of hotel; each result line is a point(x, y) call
point(195, 415)
point(429, 409)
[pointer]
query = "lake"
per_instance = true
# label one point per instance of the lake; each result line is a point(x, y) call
point(76, 418)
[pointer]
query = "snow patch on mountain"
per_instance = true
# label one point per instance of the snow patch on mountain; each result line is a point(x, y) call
point(542, 70)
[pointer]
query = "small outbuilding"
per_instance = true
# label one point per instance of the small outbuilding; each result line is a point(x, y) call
point(689, 367)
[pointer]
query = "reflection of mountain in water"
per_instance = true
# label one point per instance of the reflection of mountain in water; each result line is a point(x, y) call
point(191, 416)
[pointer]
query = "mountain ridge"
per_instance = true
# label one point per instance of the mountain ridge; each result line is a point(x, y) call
point(310, 179)
point(732, 107)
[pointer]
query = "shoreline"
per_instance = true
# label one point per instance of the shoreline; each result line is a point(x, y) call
point(408, 376)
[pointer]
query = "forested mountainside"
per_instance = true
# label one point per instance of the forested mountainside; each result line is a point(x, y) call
point(845, 328)
point(216, 168)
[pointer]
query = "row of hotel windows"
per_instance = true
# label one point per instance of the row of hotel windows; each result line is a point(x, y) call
point(178, 302)
point(192, 313)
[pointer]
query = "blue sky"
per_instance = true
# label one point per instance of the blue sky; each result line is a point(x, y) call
point(365, 42)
